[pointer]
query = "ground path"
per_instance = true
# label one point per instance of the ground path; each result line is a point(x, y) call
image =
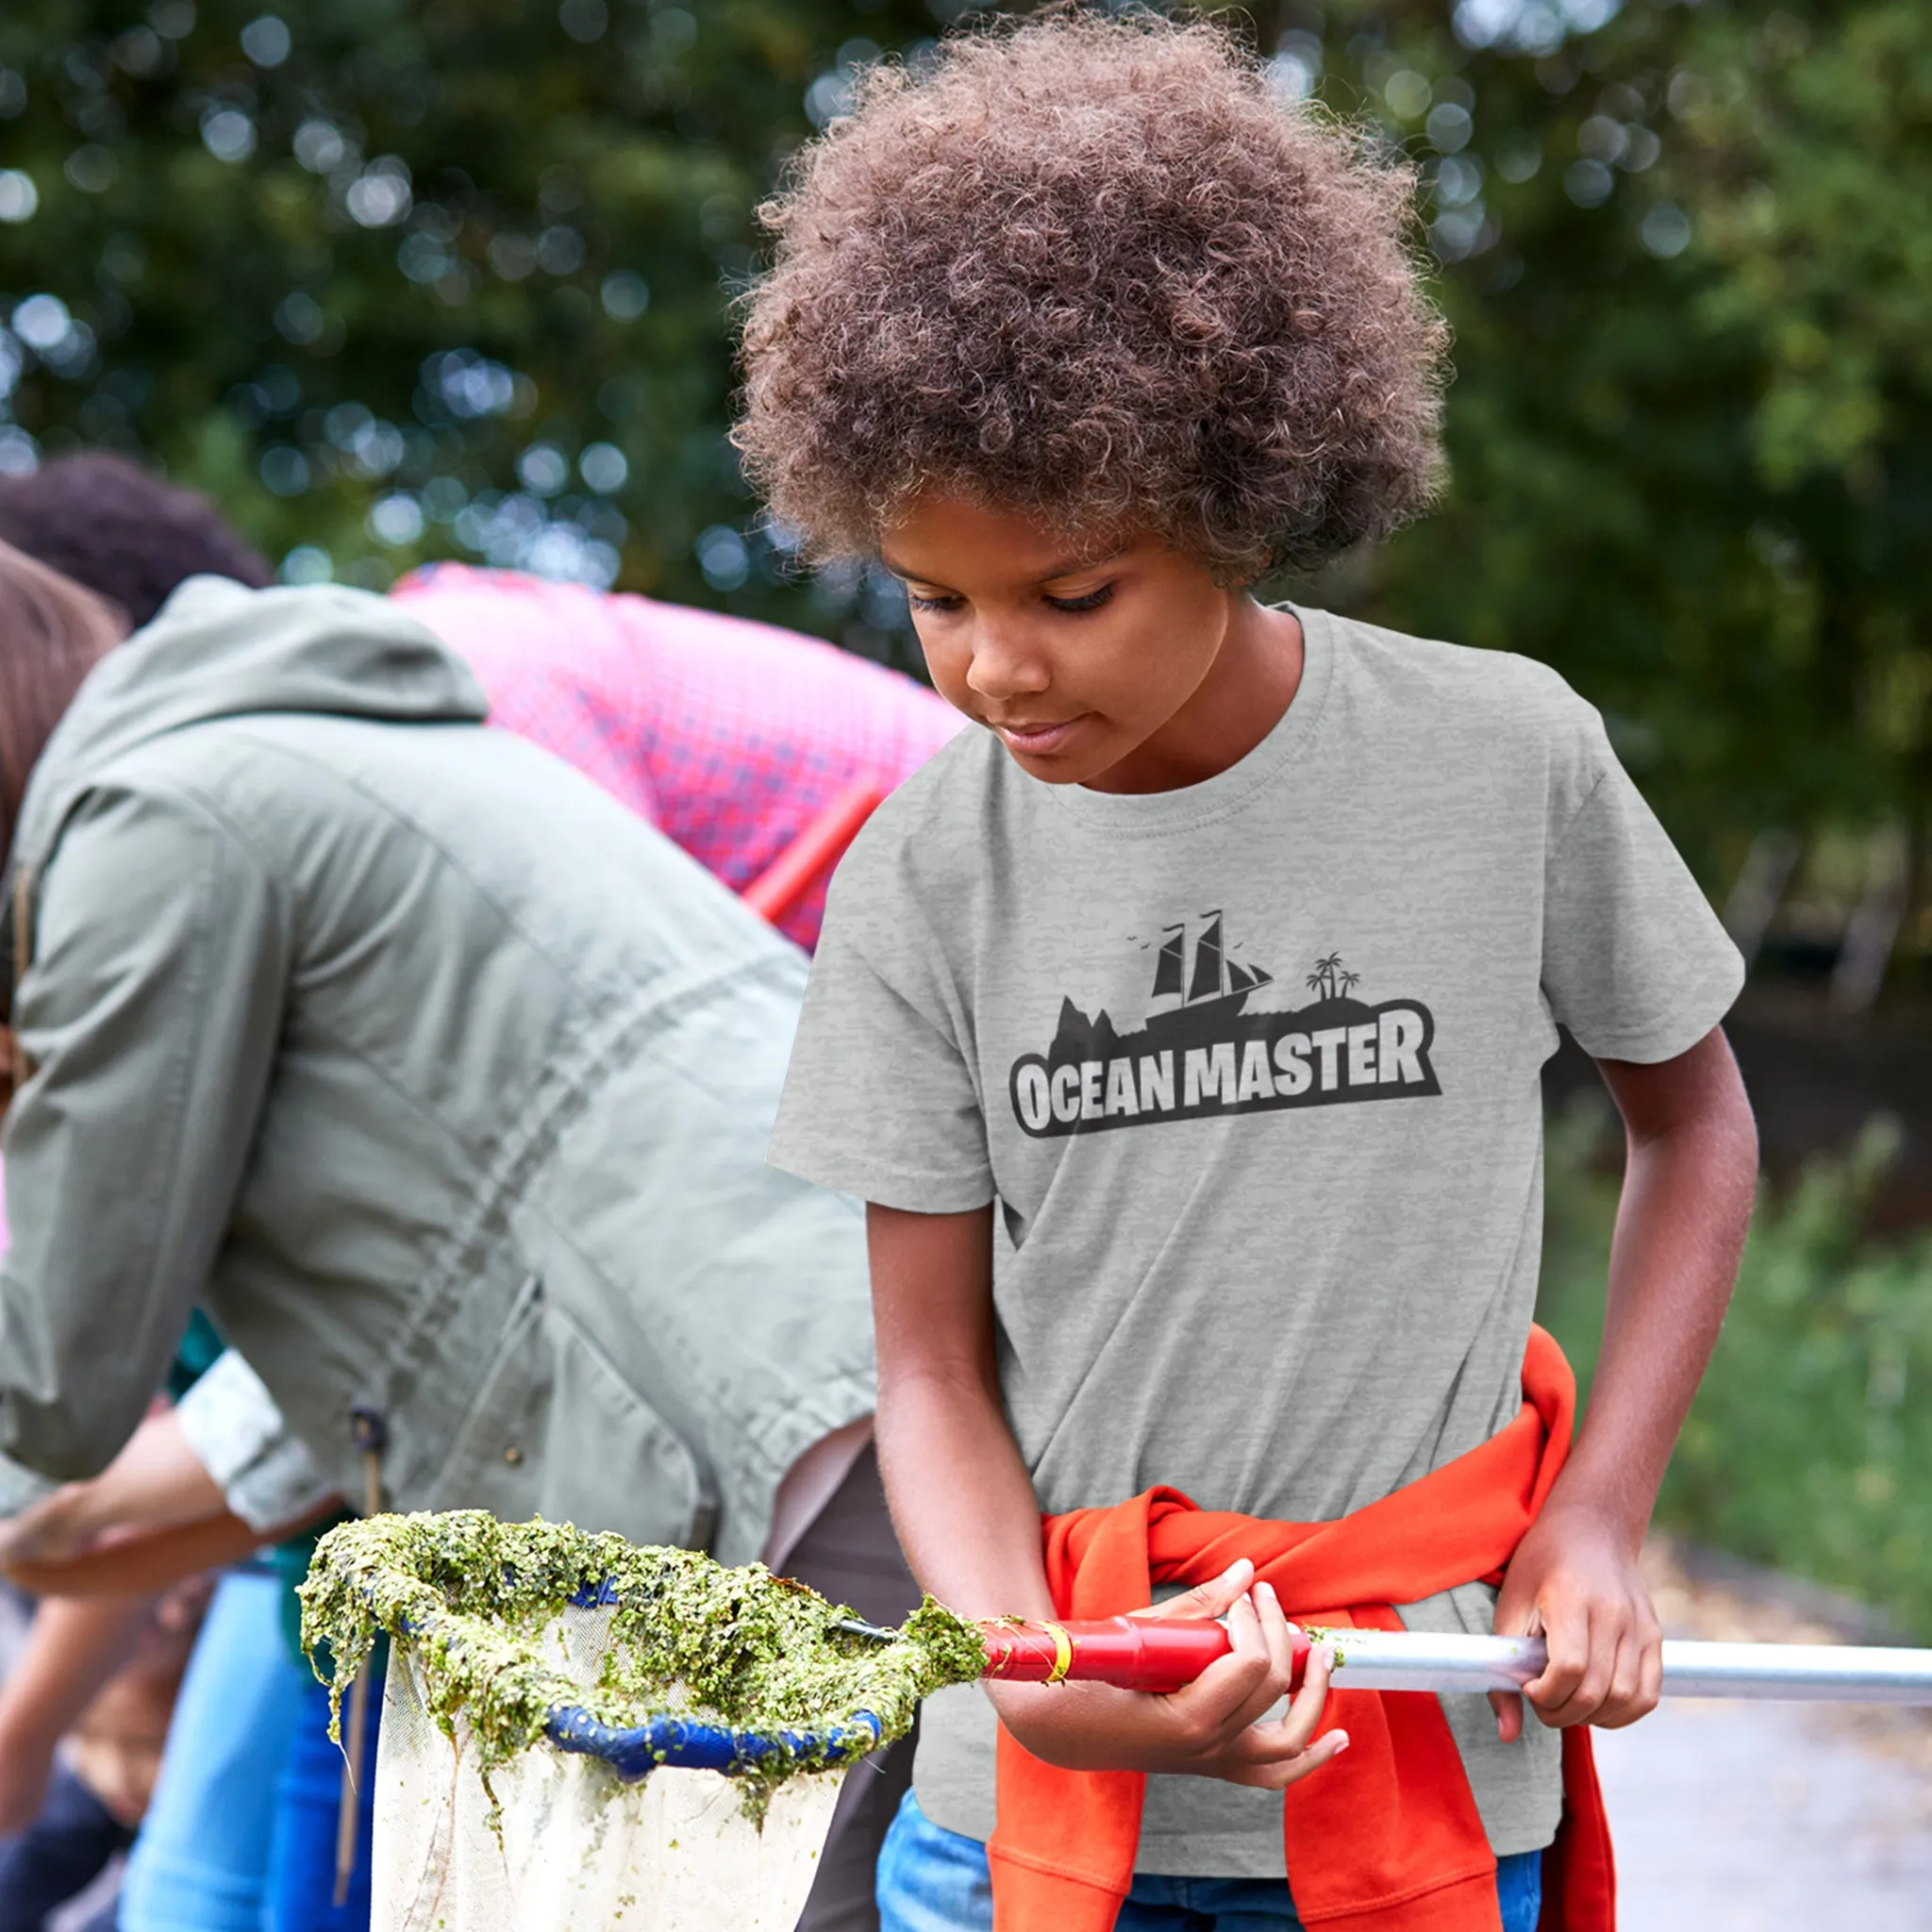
point(1742, 1818)
point(1734, 1817)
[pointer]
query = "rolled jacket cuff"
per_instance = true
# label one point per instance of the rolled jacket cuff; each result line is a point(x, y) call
point(236, 1431)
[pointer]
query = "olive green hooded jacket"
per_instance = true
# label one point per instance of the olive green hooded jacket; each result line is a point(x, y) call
point(440, 1080)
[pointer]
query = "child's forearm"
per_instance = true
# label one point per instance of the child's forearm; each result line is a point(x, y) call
point(1690, 1172)
point(1688, 1183)
point(967, 1517)
point(961, 1499)
point(72, 1648)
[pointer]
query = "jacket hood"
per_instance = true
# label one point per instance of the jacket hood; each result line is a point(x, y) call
point(219, 650)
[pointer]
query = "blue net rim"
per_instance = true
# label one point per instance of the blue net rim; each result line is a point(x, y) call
point(682, 1743)
point(688, 1745)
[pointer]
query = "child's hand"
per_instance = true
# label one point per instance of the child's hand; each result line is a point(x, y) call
point(1211, 1728)
point(1574, 1580)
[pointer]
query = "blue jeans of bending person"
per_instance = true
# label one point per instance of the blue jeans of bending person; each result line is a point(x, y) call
point(934, 1880)
point(300, 1884)
point(201, 1861)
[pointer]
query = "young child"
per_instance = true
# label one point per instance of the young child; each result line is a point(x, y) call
point(1183, 1026)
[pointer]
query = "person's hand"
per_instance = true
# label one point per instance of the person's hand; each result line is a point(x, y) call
point(157, 1482)
point(1212, 1728)
point(60, 1526)
point(1575, 1581)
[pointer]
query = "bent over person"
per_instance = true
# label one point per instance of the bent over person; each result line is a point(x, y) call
point(438, 1078)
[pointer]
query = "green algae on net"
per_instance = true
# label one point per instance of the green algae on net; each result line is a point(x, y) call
point(475, 1600)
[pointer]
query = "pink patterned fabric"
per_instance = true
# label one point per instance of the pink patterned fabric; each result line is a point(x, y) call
point(730, 737)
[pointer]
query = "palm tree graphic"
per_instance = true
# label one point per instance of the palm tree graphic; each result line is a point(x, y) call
point(1327, 975)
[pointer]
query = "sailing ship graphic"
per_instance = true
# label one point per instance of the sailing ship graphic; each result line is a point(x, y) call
point(1217, 980)
point(1199, 1051)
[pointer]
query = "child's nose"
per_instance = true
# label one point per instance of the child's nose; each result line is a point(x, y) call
point(1005, 665)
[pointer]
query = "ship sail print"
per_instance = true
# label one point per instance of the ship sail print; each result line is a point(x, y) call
point(1206, 981)
point(1199, 1052)
point(1169, 970)
point(1217, 975)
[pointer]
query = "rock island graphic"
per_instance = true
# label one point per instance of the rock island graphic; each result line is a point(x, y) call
point(1199, 1052)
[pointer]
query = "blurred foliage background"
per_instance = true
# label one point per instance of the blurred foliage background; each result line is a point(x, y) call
point(401, 279)
point(407, 278)
point(1808, 1445)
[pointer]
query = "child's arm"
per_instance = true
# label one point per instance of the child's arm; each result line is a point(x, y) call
point(1691, 1171)
point(72, 1649)
point(969, 1522)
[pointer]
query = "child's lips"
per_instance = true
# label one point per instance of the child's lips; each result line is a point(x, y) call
point(1037, 738)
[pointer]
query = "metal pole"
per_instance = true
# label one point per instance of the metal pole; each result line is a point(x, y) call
point(1815, 1672)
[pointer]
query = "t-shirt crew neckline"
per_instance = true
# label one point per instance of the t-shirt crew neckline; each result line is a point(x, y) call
point(1193, 805)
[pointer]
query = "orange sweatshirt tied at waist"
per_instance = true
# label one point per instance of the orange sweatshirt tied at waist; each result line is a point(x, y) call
point(1386, 1838)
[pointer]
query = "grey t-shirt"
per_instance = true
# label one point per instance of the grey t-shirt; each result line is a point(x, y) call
point(1251, 1070)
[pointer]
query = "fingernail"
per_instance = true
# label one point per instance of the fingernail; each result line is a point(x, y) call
point(1341, 1741)
point(1266, 1589)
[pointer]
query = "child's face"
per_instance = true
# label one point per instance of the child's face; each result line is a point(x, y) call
point(1076, 658)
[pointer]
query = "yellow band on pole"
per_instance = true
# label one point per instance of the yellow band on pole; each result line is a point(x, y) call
point(1062, 1654)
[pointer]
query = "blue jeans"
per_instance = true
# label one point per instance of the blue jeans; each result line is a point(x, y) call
point(201, 1861)
point(934, 1880)
point(299, 1892)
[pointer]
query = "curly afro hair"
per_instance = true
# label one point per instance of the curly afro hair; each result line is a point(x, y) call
point(126, 533)
point(1094, 271)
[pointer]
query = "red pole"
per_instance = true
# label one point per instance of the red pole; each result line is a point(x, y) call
point(1132, 1653)
point(823, 843)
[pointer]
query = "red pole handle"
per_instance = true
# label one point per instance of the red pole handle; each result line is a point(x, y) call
point(823, 843)
point(1132, 1653)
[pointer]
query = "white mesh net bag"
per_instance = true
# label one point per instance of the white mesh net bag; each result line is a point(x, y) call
point(578, 1733)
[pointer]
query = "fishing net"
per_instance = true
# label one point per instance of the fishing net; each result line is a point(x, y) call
point(580, 1733)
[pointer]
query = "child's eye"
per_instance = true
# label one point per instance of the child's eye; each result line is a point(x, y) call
point(919, 602)
point(1091, 601)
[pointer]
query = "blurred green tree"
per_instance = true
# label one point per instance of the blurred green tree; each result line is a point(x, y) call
point(399, 280)
point(452, 278)
point(1691, 431)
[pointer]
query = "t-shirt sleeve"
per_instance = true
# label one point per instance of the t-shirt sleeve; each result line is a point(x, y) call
point(881, 1099)
point(1636, 964)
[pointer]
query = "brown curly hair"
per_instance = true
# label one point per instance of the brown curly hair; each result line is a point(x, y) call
point(1094, 271)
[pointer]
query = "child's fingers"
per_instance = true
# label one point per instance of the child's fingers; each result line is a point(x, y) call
point(1277, 1774)
point(1277, 1754)
point(1636, 1682)
point(1652, 1677)
point(1265, 1746)
point(1566, 1643)
point(1278, 1646)
point(1507, 1705)
point(1576, 1678)
point(1304, 1716)
point(1233, 1690)
point(1278, 1633)
point(1214, 1598)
